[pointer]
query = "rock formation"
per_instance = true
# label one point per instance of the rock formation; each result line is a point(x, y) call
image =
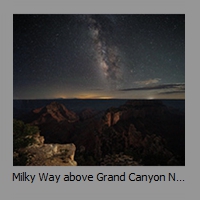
point(140, 132)
point(112, 118)
point(53, 112)
point(144, 130)
point(55, 122)
point(40, 154)
point(136, 109)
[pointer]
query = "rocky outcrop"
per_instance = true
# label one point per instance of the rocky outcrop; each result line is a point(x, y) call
point(51, 155)
point(112, 118)
point(134, 137)
point(55, 121)
point(136, 109)
point(147, 131)
point(39, 140)
point(136, 148)
point(40, 154)
point(54, 112)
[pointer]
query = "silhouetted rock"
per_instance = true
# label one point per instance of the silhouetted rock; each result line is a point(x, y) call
point(135, 108)
point(146, 130)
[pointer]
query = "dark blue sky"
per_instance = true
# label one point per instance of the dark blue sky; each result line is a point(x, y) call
point(98, 56)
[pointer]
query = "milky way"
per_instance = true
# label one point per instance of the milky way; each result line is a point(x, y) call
point(98, 56)
point(107, 54)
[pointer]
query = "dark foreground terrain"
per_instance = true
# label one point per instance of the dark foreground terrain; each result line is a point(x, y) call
point(101, 132)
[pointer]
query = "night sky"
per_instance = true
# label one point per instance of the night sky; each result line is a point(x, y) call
point(99, 56)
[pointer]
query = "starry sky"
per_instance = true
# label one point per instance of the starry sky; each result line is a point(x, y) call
point(99, 56)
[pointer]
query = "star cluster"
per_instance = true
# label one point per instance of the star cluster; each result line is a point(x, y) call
point(98, 56)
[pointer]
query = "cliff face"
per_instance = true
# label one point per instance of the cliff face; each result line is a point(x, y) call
point(145, 130)
point(132, 148)
point(53, 112)
point(136, 109)
point(40, 154)
point(55, 121)
point(112, 118)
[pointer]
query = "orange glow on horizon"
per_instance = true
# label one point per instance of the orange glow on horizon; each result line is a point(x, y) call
point(92, 96)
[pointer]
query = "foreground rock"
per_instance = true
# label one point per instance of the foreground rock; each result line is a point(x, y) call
point(40, 154)
point(51, 155)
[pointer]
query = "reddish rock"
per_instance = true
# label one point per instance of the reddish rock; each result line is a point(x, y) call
point(53, 112)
